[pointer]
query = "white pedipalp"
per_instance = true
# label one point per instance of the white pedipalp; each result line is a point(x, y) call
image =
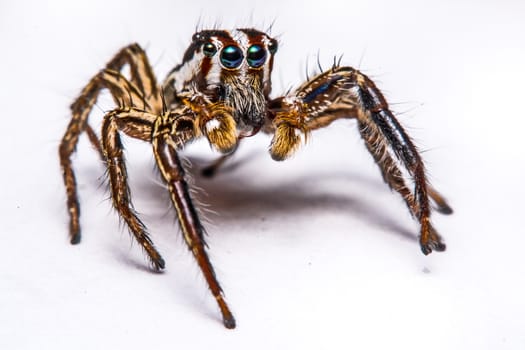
point(212, 125)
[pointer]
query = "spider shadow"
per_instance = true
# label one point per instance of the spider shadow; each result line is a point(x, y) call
point(233, 195)
point(236, 194)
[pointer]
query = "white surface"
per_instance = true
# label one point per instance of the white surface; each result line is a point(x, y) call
point(313, 253)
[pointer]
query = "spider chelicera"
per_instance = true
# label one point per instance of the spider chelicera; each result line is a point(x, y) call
point(221, 91)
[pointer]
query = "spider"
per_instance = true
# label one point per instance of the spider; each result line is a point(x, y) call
point(221, 91)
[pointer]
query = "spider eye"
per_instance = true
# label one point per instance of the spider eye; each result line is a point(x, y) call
point(256, 56)
point(272, 47)
point(231, 56)
point(209, 49)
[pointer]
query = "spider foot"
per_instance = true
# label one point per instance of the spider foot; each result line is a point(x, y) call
point(227, 317)
point(158, 263)
point(74, 233)
point(209, 171)
point(75, 238)
point(444, 208)
point(429, 247)
point(229, 322)
point(431, 241)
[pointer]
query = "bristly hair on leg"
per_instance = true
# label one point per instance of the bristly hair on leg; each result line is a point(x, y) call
point(319, 61)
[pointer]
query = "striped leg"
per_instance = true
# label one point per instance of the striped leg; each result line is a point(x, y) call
point(141, 89)
point(138, 124)
point(343, 92)
point(391, 172)
point(164, 149)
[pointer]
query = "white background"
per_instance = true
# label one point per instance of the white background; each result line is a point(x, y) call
point(313, 253)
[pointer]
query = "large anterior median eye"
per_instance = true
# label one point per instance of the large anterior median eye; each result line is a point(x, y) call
point(231, 56)
point(256, 56)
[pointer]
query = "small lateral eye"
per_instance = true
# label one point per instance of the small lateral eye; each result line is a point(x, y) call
point(209, 49)
point(256, 56)
point(272, 47)
point(231, 56)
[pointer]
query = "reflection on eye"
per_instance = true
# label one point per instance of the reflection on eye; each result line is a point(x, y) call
point(231, 56)
point(256, 56)
point(209, 49)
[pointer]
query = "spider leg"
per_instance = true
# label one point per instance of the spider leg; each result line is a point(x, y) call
point(211, 169)
point(343, 92)
point(138, 124)
point(374, 109)
point(393, 176)
point(141, 89)
point(441, 204)
point(391, 172)
point(165, 151)
point(142, 75)
point(95, 141)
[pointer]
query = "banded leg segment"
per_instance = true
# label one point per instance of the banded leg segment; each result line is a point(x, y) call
point(67, 147)
point(391, 172)
point(393, 176)
point(120, 194)
point(141, 74)
point(141, 89)
point(173, 174)
point(374, 109)
point(343, 92)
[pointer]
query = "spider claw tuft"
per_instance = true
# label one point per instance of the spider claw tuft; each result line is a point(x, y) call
point(229, 322)
point(440, 202)
point(426, 249)
point(75, 239)
point(445, 209)
point(159, 264)
point(440, 247)
point(433, 246)
point(209, 171)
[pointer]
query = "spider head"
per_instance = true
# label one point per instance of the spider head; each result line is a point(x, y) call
point(233, 67)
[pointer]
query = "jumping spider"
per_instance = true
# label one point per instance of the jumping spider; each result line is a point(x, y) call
point(221, 91)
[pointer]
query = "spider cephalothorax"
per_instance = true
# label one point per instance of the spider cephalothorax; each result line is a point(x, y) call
point(221, 91)
point(230, 67)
